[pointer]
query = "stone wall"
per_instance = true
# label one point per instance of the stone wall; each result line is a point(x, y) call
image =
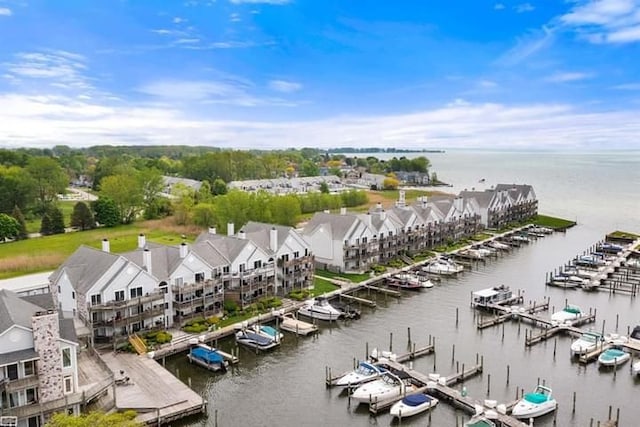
point(46, 334)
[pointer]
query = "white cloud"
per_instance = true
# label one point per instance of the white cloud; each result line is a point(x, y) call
point(5, 11)
point(568, 77)
point(605, 21)
point(30, 121)
point(628, 86)
point(487, 84)
point(498, 6)
point(284, 86)
point(524, 7)
point(528, 45)
point(179, 20)
point(235, 17)
point(274, 2)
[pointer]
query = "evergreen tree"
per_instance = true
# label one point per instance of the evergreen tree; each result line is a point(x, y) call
point(45, 225)
point(22, 226)
point(57, 220)
point(82, 217)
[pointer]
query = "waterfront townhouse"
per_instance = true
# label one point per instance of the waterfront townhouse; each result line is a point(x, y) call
point(38, 362)
point(504, 204)
point(113, 295)
point(250, 270)
point(192, 286)
point(342, 242)
point(388, 228)
point(294, 261)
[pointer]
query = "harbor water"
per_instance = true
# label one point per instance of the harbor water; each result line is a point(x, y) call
point(285, 387)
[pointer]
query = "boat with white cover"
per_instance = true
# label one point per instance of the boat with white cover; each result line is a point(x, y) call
point(613, 357)
point(535, 404)
point(442, 266)
point(289, 323)
point(363, 373)
point(388, 385)
point(587, 342)
point(413, 404)
point(320, 308)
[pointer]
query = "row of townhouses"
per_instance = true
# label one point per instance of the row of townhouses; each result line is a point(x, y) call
point(38, 361)
point(157, 286)
point(356, 242)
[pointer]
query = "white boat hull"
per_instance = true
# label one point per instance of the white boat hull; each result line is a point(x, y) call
point(526, 410)
point(309, 312)
point(636, 368)
point(402, 410)
point(615, 362)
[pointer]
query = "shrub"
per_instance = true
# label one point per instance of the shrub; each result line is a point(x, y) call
point(163, 337)
point(213, 320)
point(230, 306)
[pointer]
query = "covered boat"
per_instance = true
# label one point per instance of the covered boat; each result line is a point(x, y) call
point(207, 357)
point(267, 331)
point(535, 404)
point(570, 312)
point(256, 341)
point(413, 404)
point(613, 357)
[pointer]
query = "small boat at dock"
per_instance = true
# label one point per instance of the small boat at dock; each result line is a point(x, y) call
point(266, 331)
point(363, 373)
point(588, 341)
point(413, 404)
point(320, 308)
point(535, 404)
point(388, 385)
point(207, 357)
point(289, 323)
point(254, 340)
point(635, 369)
point(498, 245)
point(569, 313)
point(442, 266)
point(480, 420)
point(409, 281)
point(613, 357)
point(496, 295)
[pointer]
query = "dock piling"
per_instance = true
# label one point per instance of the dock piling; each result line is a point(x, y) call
point(453, 353)
point(573, 407)
point(508, 371)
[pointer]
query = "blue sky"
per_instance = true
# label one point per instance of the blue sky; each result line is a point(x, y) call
point(295, 73)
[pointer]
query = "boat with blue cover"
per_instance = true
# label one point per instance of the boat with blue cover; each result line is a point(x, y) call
point(207, 357)
point(413, 404)
point(267, 331)
point(255, 341)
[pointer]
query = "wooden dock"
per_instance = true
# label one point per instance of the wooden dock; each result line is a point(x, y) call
point(364, 301)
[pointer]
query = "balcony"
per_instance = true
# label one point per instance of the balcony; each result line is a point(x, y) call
point(206, 284)
point(125, 320)
point(21, 383)
point(205, 298)
point(131, 302)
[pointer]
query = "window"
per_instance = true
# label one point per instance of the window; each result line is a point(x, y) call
point(199, 277)
point(29, 368)
point(34, 422)
point(66, 357)
point(12, 371)
point(179, 281)
point(164, 286)
point(96, 299)
point(257, 264)
point(136, 292)
point(119, 295)
point(241, 268)
point(68, 385)
point(225, 269)
point(296, 255)
point(73, 295)
point(32, 396)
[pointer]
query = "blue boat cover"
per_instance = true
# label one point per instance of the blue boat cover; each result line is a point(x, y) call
point(257, 338)
point(416, 399)
point(535, 397)
point(612, 353)
point(205, 355)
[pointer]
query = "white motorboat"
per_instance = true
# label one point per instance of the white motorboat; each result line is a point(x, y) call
point(634, 337)
point(289, 323)
point(570, 312)
point(363, 373)
point(613, 357)
point(588, 341)
point(542, 230)
point(520, 238)
point(255, 340)
point(409, 281)
point(386, 386)
point(480, 420)
point(498, 245)
point(472, 253)
point(636, 368)
point(568, 281)
point(266, 331)
point(413, 404)
point(535, 404)
point(442, 266)
point(320, 308)
point(382, 355)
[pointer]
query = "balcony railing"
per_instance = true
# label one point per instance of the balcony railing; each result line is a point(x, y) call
point(205, 284)
point(125, 320)
point(111, 305)
point(218, 296)
point(21, 383)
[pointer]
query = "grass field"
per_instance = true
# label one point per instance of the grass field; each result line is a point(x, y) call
point(66, 206)
point(348, 276)
point(47, 253)
point(553, 222)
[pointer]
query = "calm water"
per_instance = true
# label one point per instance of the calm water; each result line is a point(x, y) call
point(286, 387)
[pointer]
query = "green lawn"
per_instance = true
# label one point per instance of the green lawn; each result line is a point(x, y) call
point(348, 276)
point(66, 206)
point(47, 253)
point(410, 195)
point(321, 286)
point(553, 222)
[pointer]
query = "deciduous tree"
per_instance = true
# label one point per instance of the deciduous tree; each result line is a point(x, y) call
point(106, 212)
point(22, 226)
point(8, 227)
point(50, 179)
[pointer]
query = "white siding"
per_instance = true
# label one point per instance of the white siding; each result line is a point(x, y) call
point(16, 338)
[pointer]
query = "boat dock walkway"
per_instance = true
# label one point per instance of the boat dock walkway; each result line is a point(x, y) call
point(141, 379)
point(440, 387)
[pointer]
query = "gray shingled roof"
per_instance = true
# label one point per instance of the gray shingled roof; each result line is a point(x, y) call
point(228, 247)
point(17, 356)
point(207, 251)
point(85, 267)
point(260, 234)
point(482, 197)
point(340, 224)
point(15, 311)
point(67, 329)
point(164, 259)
